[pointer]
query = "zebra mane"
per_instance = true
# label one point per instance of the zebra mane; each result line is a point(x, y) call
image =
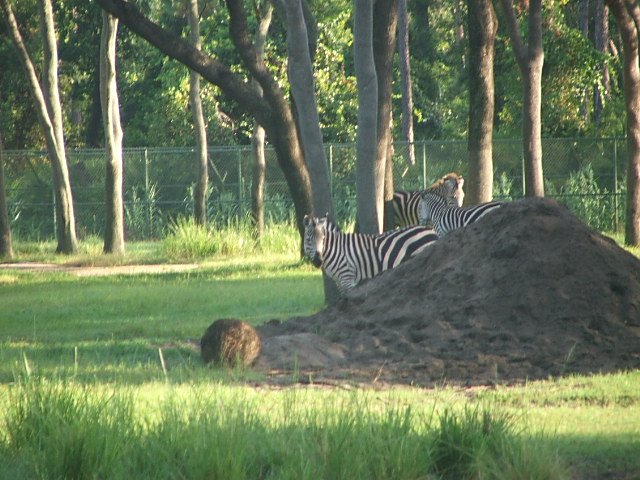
point(449, 176)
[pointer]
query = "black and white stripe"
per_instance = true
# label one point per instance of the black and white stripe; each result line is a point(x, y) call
point(349, 258)
point(407, 203)
point(445, 218)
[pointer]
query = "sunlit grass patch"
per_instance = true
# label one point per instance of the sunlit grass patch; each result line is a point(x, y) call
point(68, 430)
point(187, 240)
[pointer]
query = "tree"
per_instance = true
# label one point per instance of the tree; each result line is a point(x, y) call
point(114, 204)
point(49, 113)
point(6, 248)
point(530, 61)
point(202, 181)
point(482, 26)
point(405, 79)
point(258, 136)
point(369, 176)
point(300, 73)
point(270, 109)
point(627, 15)
point(385, 25)
point(601, 40)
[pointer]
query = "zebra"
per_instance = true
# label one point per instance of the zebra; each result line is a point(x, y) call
point(445, 218)
point(349, 258)
point(405, 204)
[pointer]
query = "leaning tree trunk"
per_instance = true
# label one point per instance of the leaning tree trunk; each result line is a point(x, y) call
point(482, 25)
point(369, 177)
point(627, 16)
point(530, 61)
point(202, 181)
point(385, 21)
point(114, 204)
point(6, 248)
point(49, 115)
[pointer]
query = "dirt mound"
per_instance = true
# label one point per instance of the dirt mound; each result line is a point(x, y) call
point(527, 292)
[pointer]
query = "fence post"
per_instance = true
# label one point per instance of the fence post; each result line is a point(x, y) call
point(53, 204)
point(331, 169)
point(239, 180)
point(523, 169)
point(424, 165)
point(615, 184)
point(146, 192)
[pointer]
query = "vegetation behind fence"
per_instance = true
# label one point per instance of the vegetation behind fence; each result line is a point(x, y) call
point(587, 175)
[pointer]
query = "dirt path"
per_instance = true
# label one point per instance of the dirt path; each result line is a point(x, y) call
point(93, 271)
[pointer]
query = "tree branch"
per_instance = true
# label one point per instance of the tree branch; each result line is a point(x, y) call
point(514, 33)
point(233, 85)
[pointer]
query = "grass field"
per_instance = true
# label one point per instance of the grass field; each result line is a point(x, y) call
point(99, 378)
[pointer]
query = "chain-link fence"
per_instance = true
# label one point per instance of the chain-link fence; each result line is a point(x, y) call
point(585, 174)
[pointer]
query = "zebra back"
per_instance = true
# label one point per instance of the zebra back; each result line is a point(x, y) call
point(434, 207)
point(406, 204)
point(350, 258)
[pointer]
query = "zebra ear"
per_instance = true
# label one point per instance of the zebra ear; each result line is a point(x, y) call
point(460, 181)
point(307, 220)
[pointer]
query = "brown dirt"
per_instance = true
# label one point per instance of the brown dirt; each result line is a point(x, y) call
point(525, 293)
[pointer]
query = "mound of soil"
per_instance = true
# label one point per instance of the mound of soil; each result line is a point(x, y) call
point(527, 292)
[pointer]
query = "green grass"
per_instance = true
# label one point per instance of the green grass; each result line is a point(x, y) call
point(83, 393)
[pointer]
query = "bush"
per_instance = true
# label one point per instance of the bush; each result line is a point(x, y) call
point(187, 240)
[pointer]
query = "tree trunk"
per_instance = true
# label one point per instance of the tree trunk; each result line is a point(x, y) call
point(271, 110)
point(48, 112)
point(369, 179)
point(583, 22)
point(385, 22)
point(258, 137)
point(6, 248)
point(601, 36)
point(300, 72)
point(482, 25)
point(530, 61)
point(257, 186)
point(405, 80)
point(202, 160)
point(627, 14)
point(114, 204)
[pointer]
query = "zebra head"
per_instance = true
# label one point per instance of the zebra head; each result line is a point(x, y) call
point(449, 187)
point(446, 192)
point(315, 230)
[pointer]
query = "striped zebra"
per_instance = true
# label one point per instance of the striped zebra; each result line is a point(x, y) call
point(446, 218)
point(349, 258)
point(405, 204)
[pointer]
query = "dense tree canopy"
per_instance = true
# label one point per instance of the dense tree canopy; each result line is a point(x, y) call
point(154, 89)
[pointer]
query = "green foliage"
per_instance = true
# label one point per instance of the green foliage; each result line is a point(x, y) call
point(142, 214)
point(588, 201)
point(502, 187)
point(187, 240)
point(64, 430)
point(56, 431)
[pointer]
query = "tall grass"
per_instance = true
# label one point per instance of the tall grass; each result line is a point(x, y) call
point(187, 240)
point(63, 430)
